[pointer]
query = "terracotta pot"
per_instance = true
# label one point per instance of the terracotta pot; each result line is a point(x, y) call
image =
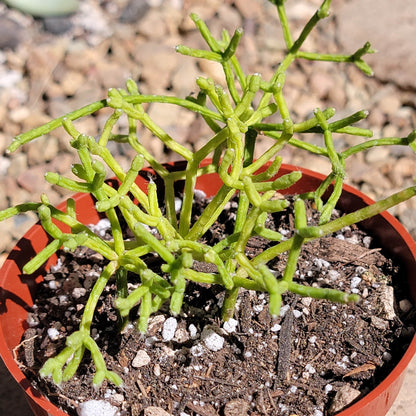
point(17, 289)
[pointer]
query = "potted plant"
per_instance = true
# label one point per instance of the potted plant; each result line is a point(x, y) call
point(162, 254)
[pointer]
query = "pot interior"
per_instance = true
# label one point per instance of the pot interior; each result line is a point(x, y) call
point(16, 289)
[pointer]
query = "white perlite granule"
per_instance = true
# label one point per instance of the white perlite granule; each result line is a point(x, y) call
point(211, 339)
point(197, 350)
point(275, 328)
point(101, 227)
point(193, 331)
point(53, 334)
point(97, 408)
point(169, 329)
point(230, 325)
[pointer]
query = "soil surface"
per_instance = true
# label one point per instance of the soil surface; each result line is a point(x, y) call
point(314, 359)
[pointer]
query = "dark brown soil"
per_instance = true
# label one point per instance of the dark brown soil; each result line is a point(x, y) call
point(294, 364)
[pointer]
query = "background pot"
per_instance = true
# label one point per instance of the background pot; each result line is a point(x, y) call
point(16, 289)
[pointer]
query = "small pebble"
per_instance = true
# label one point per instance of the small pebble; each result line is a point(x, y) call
point(367, 240)
point(275, 328)
point(52, 285)
point(355, 281)
point(141, 359)
point(156, 370)
point(321, 263)
point(328, 388)
point(169, 329)
point(211, 339)
point(78, 292)
point(193, 331)
point(181, 335)
point(53, 334)
point(230, 326)
point(296, 313)
point(283, 310)
point(117, 399)
point(97, 408)
point(197, 350)
point(310, 369)
point(344, 396)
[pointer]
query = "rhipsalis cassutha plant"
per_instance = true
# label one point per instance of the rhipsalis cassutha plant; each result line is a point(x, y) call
point(236, 115)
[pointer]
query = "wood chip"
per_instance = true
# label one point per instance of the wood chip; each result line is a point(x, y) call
point(360, 369)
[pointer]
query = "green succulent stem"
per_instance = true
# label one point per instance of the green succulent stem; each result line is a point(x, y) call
point(160, 225)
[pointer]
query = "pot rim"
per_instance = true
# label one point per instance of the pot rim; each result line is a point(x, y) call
point(396, 376)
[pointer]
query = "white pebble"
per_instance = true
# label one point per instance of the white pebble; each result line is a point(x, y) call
point(193, 331)
point(78, 292)
point(53, 334)
point(317, 412)
point(199, 194)
point(141, 359)
point(258, 308)
point(306, 301)
point(230, 326)
point(211, 339)
point(312, 339)
point(333, 274)
point(296, 313)
point(169, 329)
point(157, 370)
point(355, 281)
point(52, 285)
point(57, 266)
point(353, 240)
point(321, 263)
point(197, 350)
point(328, 388)
point(101, 227)
point(97, 408)
point(275, 328)
point(310, 369)
point(178, 204)
point(367, 241)
point(63, 298)
point(283, 310)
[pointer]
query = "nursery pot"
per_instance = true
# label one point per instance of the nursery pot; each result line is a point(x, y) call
point(17, 290)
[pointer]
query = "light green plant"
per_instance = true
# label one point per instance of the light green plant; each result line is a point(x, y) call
point(44, 8)
point(235, 121)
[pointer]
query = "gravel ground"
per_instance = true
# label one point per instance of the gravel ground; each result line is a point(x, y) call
point(51, 66)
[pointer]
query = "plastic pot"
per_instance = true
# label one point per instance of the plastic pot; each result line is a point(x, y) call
point(16, 289)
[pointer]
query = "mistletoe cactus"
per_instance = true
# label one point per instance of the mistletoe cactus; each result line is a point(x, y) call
point(236, 115)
